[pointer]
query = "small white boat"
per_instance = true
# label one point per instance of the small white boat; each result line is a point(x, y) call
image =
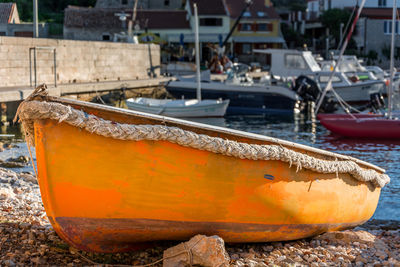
point(185, 108)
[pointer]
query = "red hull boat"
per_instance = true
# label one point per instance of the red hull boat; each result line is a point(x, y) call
point(362, 126)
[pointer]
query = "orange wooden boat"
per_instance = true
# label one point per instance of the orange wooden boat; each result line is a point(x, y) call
point(104, 191)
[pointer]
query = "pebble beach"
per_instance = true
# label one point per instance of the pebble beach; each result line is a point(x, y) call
point(27, 238)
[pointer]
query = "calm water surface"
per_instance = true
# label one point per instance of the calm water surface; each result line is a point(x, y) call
point(300, 129)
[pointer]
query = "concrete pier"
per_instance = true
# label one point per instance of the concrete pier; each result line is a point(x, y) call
point(19, 93)
point(10, 97)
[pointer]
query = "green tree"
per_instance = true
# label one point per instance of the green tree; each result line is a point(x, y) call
point(49, 10)
point(332, 18)
point(292, 38)
point(294, 5)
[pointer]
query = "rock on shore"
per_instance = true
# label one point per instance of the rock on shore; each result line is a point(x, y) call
point(26, 238)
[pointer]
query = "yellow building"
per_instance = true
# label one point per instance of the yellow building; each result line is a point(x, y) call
point(258, 28)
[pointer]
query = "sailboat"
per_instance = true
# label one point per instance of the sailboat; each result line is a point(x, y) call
point(366, 125)
point(183, 108)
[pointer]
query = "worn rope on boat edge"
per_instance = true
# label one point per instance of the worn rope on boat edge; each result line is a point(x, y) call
point(36, 110)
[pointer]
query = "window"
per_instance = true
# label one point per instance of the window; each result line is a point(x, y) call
point(260, 14)
point(124, 2)
point(106, 37)
point(166, 2)
point(211, 22)
point(246, 14)
point(397, 52)
point(387, 27)
point(245, 27)
point(295, 62)
point(246, 49)
point(2, 33)
point(381, 3)
point(265, 27)
point(325, 79)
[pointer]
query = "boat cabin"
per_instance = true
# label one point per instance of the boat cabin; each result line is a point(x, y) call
point(349, 65)
point(290, 62)
point(293, 63)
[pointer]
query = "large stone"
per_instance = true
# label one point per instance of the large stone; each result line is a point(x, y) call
point(348, 237)
point(200, 250)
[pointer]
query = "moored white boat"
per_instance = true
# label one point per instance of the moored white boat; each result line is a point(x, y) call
point(189, 108)
point(353, 92)
point(294, 63)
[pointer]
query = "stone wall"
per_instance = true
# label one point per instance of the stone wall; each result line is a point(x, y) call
point(77, 61)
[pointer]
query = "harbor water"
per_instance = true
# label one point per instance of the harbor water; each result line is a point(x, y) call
point(298, 128)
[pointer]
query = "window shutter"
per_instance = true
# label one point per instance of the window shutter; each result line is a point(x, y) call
point(254, 27)
point(270, 27)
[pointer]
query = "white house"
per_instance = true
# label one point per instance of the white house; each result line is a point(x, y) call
point(316, 7)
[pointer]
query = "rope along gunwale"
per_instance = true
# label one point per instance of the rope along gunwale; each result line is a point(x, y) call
point(38, 110)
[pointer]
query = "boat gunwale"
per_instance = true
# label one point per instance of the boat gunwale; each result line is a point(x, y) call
point(362, 119)
point(254, 88)
point(194, 106)
point(243, 134)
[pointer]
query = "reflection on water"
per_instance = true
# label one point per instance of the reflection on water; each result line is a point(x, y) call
point(11, 132)
point(300, 128)
point(13, 135)
point(383, 153)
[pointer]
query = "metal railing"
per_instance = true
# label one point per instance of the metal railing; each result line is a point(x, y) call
point(35, 51)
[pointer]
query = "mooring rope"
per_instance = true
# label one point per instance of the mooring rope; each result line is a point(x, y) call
point(31, 110)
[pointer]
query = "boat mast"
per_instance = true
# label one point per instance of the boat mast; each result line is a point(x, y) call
point(196, 34)
point(248, 4)
point(329, 84)
point(390, 89)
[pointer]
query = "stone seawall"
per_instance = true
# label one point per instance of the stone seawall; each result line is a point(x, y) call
point(77, 61)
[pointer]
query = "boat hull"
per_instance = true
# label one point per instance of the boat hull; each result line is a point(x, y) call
point(210, 109)
point(108, 195)
point(244, 100)
point(359, 93)
point(363, 126)
point(331, 116)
